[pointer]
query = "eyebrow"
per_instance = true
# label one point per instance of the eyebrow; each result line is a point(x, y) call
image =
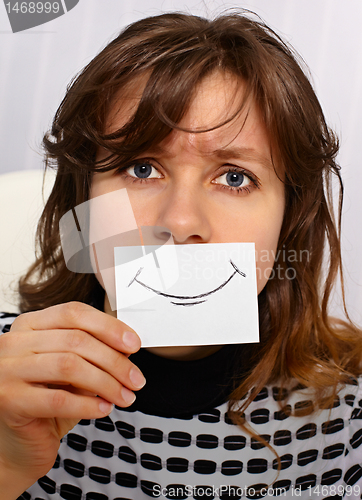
point(236, 153)
point(247, 154)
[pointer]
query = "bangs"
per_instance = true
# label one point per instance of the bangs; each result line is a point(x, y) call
point(163, 99)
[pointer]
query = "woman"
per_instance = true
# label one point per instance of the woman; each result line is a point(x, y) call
point(217, 135)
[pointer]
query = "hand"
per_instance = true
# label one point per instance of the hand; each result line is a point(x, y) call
point(53, 364)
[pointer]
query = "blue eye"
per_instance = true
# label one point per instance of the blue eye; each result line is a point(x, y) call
point(234, 179)
point(143, 170)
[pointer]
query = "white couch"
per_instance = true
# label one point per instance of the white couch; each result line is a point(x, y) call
point(21, 202)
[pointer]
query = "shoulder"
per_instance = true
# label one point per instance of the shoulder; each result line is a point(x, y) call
point(6, 320)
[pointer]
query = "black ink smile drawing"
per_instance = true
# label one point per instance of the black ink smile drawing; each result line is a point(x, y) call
point(187, 297)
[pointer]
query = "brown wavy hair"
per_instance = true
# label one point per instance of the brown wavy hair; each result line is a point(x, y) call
point(173, 53)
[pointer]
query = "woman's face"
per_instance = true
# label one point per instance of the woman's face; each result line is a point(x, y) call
point(209, 187)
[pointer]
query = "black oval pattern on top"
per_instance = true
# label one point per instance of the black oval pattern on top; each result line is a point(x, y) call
point(304, 482)
point(285, 461)
point(349, 399)
point(260, 416)
point(257, 466)
point(306, 457)
point(84, 422)
point(127, 454)
point(212, 416)
point(228, 420)
point(126, 430)
point(77, 442)
point(177, 464)
point(178, 438)
point(104, 424)
point(331, 476)
point(333, 426)
point(256, 444)
point(357, 414)
point(149, 488)
point(6, 329)
point(306, 431)
point(202, 467)
point(57, 463)
point(356, 439)
point(231, 467)
point(100, 475)
point(102, 449)
point(303, 407)
point(234, 442)
point(282, 438)
point(74, 468)
point(207, 441)
point(263, 394)
point(279, 394)
point(151, 462)
point(96, 496)
point(25, 496)
point(70, 492)
point(126, 480)
point(353, 475)
point(150, 435)
point(47, 484)
point(283, 414)
point(282, 484)
point(333, 451)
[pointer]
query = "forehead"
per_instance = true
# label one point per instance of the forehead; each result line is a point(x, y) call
point(221, 115)
point(216, 99)
point(223, 121)
point(213, 101)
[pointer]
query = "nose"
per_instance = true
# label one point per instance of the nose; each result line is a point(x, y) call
point(184, 212)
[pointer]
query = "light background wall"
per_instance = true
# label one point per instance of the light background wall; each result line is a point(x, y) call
point(36, 65)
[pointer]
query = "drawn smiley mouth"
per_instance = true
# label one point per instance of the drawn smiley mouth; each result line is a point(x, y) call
point(195, 299)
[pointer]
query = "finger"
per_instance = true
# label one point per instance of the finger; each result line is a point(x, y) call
point(41, 402)
point(81, 316)
point(86, 346)
point(70, 369)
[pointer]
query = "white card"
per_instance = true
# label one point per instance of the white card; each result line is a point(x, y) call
point(188, 294)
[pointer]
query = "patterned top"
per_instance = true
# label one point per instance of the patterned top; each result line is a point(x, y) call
point(163, 451)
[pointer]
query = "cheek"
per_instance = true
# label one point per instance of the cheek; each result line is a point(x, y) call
point(266, 242)
point(102, 183)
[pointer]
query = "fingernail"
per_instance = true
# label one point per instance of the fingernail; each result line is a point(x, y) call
point(105, 407)
point(136, 377)
point(127, 395)
point(130, 340)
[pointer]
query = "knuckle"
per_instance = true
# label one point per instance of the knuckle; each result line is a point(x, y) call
point(66, 364)
point(22, 319)
point(5, 342)
point(57, 400)
point(10, 342)
point(119, 363)
point(75, 339)
point(5, 398)
point(74, 310)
